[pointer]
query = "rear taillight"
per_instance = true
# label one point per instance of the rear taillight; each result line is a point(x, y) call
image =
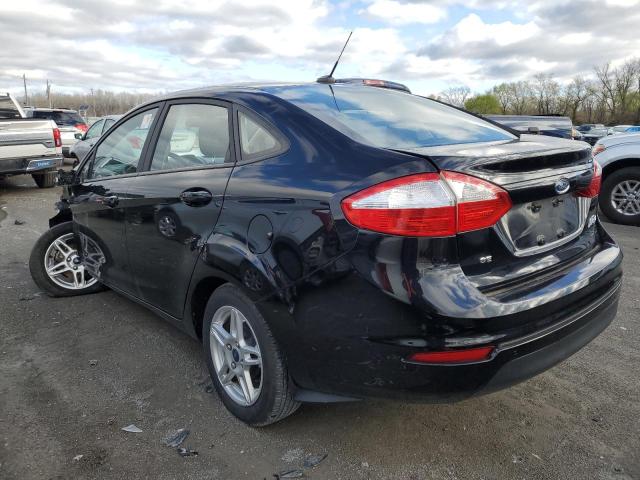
point(597, 148)
point(82, 127)
point(57, 140)
point(463, 355)
point(427, 205)
point(594, 186)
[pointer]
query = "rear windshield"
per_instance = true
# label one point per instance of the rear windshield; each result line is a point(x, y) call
point(390, 119)
point(61, 118)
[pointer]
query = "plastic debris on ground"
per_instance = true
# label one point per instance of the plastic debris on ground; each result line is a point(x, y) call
point(313, 460)
point(77, 458)
point(187, 452)
point(296, 473)
point(175, 439)
point(132, 429)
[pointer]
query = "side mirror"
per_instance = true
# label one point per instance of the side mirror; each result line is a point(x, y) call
point(533, 130)
point(79, 136)
point(66, 177)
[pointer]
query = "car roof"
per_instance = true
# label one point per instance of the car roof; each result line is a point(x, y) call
point(259, 88)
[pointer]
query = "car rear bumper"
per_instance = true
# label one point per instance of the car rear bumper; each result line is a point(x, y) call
point(350, 339)
point(16, 166)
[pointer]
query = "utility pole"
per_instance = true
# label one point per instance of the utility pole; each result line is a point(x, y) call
point(93, 99)
point(26, 97)
point(49, 92)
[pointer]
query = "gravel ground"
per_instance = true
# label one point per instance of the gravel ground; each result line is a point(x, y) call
point(73, 372)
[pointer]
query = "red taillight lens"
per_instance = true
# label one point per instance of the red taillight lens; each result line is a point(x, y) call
point(465, 355)
point(593, 190)
point(480, 203)
point(82, 126)
point(57, 140)
point(427, 205)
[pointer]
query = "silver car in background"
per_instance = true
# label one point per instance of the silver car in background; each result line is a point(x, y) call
point(619, 157)
point(91, 136)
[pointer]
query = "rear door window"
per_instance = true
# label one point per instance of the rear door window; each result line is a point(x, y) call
point(193, 135)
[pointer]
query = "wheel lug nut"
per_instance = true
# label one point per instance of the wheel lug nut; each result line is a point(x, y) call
point(233, 365)
point(228, 347)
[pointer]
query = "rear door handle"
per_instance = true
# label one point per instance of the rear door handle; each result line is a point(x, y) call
point(111, 201)
point(196, 197)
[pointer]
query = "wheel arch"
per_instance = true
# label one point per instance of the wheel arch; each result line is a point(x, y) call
point(619, 164)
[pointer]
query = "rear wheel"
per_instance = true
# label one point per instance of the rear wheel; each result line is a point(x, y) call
point(46, 179)
point(246, 365)
point(55, 264)
point(620, 196)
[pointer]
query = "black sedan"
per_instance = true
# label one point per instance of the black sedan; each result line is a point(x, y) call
point(333, 242)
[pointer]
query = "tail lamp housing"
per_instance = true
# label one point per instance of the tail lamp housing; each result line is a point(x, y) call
point(427, 205)
point(57, 139)
point(593, 190)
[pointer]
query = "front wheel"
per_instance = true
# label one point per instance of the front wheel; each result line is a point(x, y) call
point(246, 365)
point(56, 267)
point(620, 196)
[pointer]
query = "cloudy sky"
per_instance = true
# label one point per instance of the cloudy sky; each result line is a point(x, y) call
point(164, 45)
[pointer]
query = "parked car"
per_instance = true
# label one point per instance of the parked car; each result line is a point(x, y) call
point(617, 129)
point(334, 242)
point(28, 146)
point(593, 135)
point(69, 122)
point(589, 126)
point(554, 126)
point(86, 140)
point(633, 129)
point(619, 157)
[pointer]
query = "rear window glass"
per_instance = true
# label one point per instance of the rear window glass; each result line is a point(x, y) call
point(61, 118)
point(390, 119)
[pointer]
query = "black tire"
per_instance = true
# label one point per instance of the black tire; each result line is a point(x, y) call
point(37, 268)
point(275, 401)
point(629, 173)
point(46, 179)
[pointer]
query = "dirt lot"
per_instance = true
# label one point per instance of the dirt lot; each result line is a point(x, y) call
point(74, 372)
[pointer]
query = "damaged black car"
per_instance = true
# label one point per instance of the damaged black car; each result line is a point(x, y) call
point(333, 242)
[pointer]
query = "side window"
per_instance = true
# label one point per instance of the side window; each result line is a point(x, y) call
point(107, 124)
point(193, 135)
point(94, 131)
point(120, 151)
point(255, 140)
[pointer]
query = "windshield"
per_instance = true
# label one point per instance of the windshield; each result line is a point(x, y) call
point(61, 118)
point(623, 128)
point(388, 118)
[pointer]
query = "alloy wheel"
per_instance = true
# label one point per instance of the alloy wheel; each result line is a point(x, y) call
point(63, 265)
point(236, 355)
point(625, 197)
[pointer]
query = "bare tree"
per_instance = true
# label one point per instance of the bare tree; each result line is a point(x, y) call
point(503, 94)
point(455, 95)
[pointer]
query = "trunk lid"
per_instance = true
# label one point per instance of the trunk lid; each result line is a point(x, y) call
point(541, 175)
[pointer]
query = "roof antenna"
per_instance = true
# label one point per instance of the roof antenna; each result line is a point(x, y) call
point(329, 78)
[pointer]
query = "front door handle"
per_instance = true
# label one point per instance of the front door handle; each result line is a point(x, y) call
point(196, 197)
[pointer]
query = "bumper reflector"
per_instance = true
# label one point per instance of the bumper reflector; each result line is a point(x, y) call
point(465, 355)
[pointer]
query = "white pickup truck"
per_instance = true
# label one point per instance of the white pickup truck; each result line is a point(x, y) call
point(28, 146)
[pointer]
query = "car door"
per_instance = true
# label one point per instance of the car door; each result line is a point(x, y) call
point(178, 198)
point(99, 199)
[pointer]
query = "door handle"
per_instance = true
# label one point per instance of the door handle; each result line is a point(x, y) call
point(111, 202)
point(196, 197)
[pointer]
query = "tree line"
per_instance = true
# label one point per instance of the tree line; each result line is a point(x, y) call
point(96, 103)
point(611, 96)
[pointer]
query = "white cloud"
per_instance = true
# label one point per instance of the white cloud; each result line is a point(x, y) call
point(397, 13)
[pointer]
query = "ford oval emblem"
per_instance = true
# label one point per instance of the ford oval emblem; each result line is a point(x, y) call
point(562, 186)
